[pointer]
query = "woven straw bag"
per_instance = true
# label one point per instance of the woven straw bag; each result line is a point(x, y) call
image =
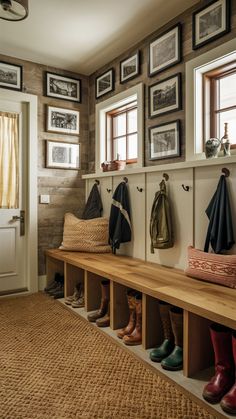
point(85, 235)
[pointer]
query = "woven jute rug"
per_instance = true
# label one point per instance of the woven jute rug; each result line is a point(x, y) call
point(54, 365)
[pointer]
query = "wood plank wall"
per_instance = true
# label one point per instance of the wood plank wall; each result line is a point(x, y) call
point(65, 187)
point(186, 20)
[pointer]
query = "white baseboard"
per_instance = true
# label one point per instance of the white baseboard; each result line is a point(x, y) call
point(42, 280)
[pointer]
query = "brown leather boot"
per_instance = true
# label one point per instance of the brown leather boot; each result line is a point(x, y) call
point(167, 346)
point(135, 338)
point(105, 286)
point(132, 316)
point(105, 320)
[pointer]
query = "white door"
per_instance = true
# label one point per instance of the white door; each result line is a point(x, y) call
point(13, 232)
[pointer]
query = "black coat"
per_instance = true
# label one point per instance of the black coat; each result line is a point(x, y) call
point(220, 230)
point(93, 207)
point(119, 223)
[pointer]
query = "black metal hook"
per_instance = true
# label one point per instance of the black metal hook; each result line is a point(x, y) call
point(139, 189)
point(185, 188)
point(225, 171)
point(97, 181)
point(165, 176)
point(125, 179)
point(108, 190)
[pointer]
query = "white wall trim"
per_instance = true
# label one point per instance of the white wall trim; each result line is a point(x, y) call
point(193, 71)
point(118, 100)
point(42, 281)
point(32, 223)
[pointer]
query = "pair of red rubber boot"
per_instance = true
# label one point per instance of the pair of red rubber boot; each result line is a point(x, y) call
point(222, 387)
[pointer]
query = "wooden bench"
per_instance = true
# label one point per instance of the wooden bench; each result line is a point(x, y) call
point(202, 302)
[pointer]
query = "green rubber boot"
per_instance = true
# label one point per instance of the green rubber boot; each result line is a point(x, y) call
point(167, 345)
point(174, 361)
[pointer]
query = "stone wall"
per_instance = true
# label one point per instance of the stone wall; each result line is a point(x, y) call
point(186, 20)
point(65, 187)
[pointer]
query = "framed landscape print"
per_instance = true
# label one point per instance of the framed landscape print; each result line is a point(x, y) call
point(165, 140)
point(165, 96)
point(211, 22)
point(10, 76)
point(105, 83)
point(130, 67)
point(165, 51)
point(64, 121)
point(60, 155)
point(61, 87)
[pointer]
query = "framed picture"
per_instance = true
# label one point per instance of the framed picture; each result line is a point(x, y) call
point(130, 67)
point(10, 76)
point(211, 22)
point(66, 88)
point(60, 155)
point(165, 140)
point(105, 83)
point(165, 96)
point(64, 121)
point(165, 51)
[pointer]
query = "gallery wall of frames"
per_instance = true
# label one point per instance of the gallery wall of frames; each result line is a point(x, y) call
point(62, 141)
point(158, 62)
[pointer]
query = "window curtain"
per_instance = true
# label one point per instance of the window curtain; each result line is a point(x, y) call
point(9, 160)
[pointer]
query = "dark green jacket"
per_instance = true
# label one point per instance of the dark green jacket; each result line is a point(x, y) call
point(160, 222)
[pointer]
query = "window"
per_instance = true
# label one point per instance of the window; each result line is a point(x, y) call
point(119, 128)
point(220, 85)
point(122, 133)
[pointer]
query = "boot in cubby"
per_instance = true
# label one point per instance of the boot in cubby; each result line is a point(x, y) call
point(228, 403)
point(105, 288)
point(105, 320)
point(71, 298)
point(132, 316)
point(167, 346)
point(135, 338)
point(79, 300)
point(174, 361)
point(223, 380)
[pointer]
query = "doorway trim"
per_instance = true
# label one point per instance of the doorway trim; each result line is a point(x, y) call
point(31, 102)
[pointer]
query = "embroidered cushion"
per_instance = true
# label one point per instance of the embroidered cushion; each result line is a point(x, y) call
point(85, 235)
point(220, 269)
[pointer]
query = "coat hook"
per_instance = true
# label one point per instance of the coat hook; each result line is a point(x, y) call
point(139, 189)
point(108, 190)
point(185, 188)
point(225, 171)
point(97, 181)
point(125, 179)
point(165, 176)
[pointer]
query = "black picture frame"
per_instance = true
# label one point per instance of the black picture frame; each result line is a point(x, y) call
point(99, 90)
point(62, 155)
point(225, 6)
point(167, 93)
point(62, 121)
point(163, 42)
point(11, 76)
point(135, 57)
point(165, 147)
point(62, 87)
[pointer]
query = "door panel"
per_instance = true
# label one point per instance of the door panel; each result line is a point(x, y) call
point(12, 245)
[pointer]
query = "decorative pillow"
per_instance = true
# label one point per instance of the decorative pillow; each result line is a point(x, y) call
point(85, 235)
point(220, 269)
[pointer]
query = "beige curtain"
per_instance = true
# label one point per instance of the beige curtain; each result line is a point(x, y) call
point(9, 160)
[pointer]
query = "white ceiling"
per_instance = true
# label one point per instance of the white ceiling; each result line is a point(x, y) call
point(83, 35)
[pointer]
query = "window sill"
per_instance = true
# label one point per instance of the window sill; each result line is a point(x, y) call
point(203, 162)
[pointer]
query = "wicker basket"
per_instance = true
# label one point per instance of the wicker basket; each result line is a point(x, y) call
point(113, 165)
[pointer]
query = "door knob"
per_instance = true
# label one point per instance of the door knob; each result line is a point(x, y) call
point(20, 218)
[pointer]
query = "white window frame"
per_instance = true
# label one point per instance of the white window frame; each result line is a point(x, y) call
point(195, 69)
point(121, 99)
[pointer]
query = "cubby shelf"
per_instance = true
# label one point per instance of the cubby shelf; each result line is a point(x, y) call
point(202, 303)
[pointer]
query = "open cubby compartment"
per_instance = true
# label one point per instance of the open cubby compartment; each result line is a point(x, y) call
point(92, 290)
point(198, 349)
point(73, 275)
point(53, 266)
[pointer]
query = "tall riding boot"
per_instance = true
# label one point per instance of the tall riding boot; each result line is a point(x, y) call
point(132, 316)
point(174, 361)
point(105, 286)
point(223, 379)
point(228, 403)
point(105, 320)
point(167, 345)
point(135, 338)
